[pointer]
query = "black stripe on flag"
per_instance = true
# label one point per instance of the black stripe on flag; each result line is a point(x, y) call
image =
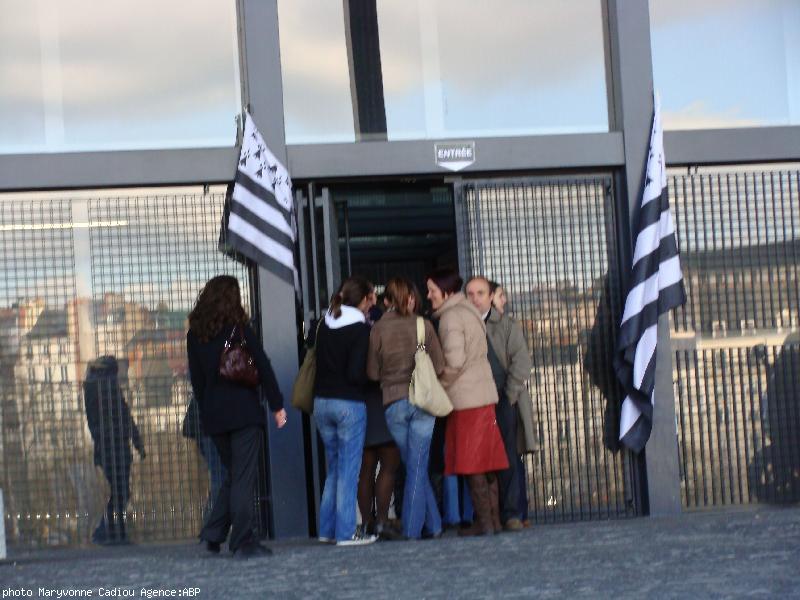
point(264, 260)
point(263, 226)
point(262, 193)
point(259, 221)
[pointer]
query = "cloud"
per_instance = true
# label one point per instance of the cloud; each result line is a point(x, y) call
point(124, 65)
point(698, 115)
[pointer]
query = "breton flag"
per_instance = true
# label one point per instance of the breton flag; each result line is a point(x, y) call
point(259, 220)
point(656, 286)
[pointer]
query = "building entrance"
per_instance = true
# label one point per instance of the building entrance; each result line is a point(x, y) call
point(552, 244)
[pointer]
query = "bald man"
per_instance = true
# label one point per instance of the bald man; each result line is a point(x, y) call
point(511, 368)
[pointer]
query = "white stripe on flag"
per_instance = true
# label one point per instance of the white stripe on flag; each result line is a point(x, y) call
point(669, 273)
point(628, 416)
point(644, 352)
point(261, 209)
point(264, 243)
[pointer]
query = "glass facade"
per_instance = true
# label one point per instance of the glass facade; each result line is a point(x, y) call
point(736, 342)
point(551, 244)
point(726, 63)
point(79, 75)
point(89, 275)
point(539, 68)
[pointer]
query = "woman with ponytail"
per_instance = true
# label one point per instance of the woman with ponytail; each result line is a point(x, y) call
point(340, 390)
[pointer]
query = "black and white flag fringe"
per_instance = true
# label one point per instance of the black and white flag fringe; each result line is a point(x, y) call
point(656, 286)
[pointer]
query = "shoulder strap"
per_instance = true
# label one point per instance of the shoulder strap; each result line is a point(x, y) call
point(420, 333)
point(316, 334)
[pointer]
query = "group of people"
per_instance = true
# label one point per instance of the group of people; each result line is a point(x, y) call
point(364, 362)
point(482, 361)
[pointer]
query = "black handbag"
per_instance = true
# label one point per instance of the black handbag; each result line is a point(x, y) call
point(236, 364)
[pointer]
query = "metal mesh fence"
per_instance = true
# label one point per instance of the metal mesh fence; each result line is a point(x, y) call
point(551, 244)
point(94, 295)
point(736, 342)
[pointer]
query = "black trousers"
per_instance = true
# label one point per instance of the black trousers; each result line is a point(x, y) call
point(509, 479)
point(112, 526)
point(234, 505)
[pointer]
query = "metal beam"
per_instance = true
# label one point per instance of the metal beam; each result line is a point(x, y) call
point(722, 146)
point(116, 169)
point(492, 154)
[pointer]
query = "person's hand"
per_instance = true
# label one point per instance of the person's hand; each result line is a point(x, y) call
point(142, 453)
point(280, 418)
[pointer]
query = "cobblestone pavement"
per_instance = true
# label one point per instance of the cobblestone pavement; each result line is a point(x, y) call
point(752, 552)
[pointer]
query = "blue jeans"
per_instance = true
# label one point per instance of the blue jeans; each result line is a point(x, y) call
point(342, 424)
point(412, 430)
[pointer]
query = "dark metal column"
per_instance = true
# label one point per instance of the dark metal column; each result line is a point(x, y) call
point(366, 75)
point(259, 44)
point(632, 93)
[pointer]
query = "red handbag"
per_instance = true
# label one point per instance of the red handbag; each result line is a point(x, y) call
point(236, 365)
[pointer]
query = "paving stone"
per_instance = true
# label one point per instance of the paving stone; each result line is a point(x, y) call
point(735, 553)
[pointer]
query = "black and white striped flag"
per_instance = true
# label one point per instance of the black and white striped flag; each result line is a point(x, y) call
point(656, 286)
point(259, 221)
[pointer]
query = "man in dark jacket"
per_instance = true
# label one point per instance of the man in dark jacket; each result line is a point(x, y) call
point(112, 428)
point(511, 368)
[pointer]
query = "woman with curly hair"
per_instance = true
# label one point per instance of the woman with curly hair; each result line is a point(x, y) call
point(230, 413)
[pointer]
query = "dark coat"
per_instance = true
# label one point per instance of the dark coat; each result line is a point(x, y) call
point(225, 406)
point(107, 414)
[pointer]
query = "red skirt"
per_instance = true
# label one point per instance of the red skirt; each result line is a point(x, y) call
point(472, 442)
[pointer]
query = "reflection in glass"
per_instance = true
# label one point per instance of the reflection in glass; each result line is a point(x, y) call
point(736, 342)
point(449, 68)
point(550, 243)
point(726, 63)
point(83, 277)
point(316, 82)
point(83, 75)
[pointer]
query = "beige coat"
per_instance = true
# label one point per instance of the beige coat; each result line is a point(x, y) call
point(506, 337)
point(467, 376)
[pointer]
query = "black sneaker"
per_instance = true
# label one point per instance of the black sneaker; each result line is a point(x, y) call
point(213, 547)
point(251, 550)
point(388, 533)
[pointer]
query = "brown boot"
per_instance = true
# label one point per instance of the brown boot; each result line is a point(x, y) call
point(494, 501)
point(479, 492)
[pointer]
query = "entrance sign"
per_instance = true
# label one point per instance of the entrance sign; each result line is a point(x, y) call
point(454, 155)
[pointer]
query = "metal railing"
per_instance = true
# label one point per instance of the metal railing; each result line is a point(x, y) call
point(551, 243)
point(86, 277)
point(736, 343)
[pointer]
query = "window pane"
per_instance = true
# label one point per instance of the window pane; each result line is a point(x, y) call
point(86, 274)
point(450, 68)
point(727, 63)
point(315, 72)
point(81, 75)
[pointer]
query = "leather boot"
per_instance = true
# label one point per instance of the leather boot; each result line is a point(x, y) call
point(479, 492)
point(494, 501)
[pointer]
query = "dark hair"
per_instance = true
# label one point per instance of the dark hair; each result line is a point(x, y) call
point(446, 279)
point(398, 291)
point(418, 299)
point(493, 285)
point(219, 303)
point(352, 291)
